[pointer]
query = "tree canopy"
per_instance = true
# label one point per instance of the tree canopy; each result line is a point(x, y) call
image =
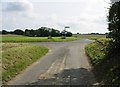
point(114, 24)
point(40, 32)
point(114, 44)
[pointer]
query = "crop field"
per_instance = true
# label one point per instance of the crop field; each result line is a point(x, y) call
point(16, 57)
point(36, 39)
point(89, 36)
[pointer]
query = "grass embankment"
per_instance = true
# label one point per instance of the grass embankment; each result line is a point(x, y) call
point(36, 39)
point(97, 50)
point(16, 57)
point(105, 67)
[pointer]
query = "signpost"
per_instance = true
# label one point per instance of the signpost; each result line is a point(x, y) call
point(50, 37)
point(65, 30)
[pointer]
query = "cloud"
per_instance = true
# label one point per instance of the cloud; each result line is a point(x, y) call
point(20, 7)
point(83, 16)
point(82, 24)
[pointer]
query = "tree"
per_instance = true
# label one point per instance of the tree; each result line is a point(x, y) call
point(114, 25)
point(68, 34)
point(18, 32)
point(45, 32)
point(114, 44)
point(4, 32)
point(55, 33)
point(32, 33)
point(27, 32)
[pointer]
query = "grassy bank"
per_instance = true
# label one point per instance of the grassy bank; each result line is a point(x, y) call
point(36, 39)
point(16, 57)
point(105, 67)
point(97, 50)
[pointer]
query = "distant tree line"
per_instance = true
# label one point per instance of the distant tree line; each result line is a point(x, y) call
point(97, 34)
point(41, 32)
point(17, 31)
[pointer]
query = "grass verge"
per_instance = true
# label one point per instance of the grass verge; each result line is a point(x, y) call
point(16, 57)
point(97, 50)
point(36, 39)
point(105, 67)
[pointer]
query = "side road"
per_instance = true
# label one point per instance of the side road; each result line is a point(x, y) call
point(65, 64)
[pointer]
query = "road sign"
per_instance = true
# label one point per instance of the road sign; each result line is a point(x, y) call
point(67, 27)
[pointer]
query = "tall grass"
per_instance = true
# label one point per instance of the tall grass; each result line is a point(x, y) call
point(105, 67)
point(97, 50)
point(16, 57)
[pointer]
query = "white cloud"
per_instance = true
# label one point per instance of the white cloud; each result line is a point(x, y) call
point(91, 18)
point(19, 7)
point(83, 16)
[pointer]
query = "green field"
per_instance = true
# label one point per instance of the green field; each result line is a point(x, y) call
point(36, 39)
point(16, 57)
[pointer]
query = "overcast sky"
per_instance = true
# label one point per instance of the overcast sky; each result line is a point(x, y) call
point(83, 16)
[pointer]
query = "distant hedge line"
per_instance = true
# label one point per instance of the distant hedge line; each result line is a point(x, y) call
point(41, 32)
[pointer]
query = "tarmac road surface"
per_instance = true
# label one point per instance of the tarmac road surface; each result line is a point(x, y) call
point(64, 64)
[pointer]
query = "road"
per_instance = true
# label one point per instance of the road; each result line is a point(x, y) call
point(65, 64)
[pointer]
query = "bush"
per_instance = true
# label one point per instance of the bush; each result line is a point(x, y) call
point(49, 37)
point(63, 37)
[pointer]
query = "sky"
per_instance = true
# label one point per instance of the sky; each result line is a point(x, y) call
point(83, 16)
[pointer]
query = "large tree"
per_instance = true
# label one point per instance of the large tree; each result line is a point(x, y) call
point(4, 32)
point(114, 25)
point(18, 32)
point(114, 47)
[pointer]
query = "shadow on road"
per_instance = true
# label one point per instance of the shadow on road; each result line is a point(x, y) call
point(80, 76)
